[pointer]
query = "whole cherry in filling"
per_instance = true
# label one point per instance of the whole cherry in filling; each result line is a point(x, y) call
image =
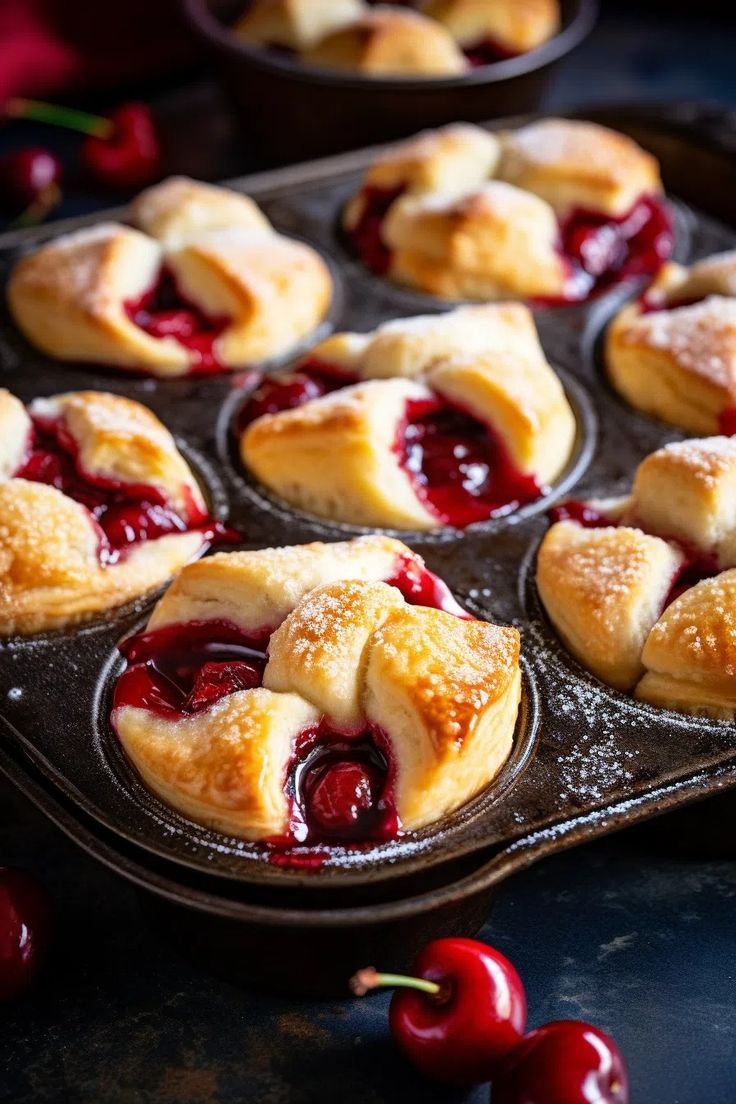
point(339, 784)
point(458, 467)
point(126, 513)
point(163, 311)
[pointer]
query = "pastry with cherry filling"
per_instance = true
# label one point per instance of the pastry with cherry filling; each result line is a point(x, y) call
point(672, 353)
point(553, 212)
point(642, 590)
point(204, 284)
point(439, 420)
point(388, 41)
point(97, 507)
point(324, 693)
point(491, 30)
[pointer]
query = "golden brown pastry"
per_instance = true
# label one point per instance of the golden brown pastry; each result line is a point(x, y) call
point(516, 26)
point(97, 507)
point(496, 242)
point(652, 608)
point(409, 709)
point(672, 354)
point(349, 455)
point(603, 590)
point(573, 164)
point(690, 653)
point(245, 292)
point(556, 210)
point(295, 24)
point(388, 41)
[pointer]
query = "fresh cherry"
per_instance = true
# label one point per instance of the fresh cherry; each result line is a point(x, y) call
point(564, 1062)
point(24, 930)
point(129, 156)
point(216, 680)
point(461, 1015)
point(29, 181)
point(344, 791)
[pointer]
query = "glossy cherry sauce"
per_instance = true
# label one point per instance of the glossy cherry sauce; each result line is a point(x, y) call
point(696, 566)
point(340, 784)
point(125, 513)
point(459, 468)
point(601, 250)
point(163, 311)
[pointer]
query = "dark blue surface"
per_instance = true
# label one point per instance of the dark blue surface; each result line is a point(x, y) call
point(628, 933)
point(621, 933)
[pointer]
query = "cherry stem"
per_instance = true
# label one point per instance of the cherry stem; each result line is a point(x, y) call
point(369, 978)
point(69, 117)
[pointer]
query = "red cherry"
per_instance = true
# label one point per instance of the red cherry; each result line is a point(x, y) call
point(565, 1062)
point(24, 930)
point(130, 157)
point(727, 421)
point(217, 680)
point(598, 248)
point(128, 523)
point(462, 1014)
point(344, 791)
point(29, 176)
point(281, 393)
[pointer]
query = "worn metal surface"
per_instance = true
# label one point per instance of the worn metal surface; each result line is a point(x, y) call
point(585, 755)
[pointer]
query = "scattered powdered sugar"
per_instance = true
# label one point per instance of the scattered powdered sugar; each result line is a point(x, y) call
point(701, 338)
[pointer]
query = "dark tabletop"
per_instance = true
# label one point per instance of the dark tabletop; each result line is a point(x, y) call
point(636, 933)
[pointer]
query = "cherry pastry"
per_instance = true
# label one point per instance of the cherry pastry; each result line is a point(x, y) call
point(318, 694)
point(203, 284)
point(553, 212)
point(439, 420)
point(642, 589)
point(97, 507)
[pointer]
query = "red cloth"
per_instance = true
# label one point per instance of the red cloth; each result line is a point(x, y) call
point(50, 46)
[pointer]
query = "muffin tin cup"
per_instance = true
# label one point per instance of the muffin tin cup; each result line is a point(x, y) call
point(586, 758)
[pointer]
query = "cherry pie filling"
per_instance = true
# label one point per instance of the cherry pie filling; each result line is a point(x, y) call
point(339, 784)
point(655, 301)
point(163, 311)
point(459, 468)
point(125, 513)
point(696, 566)
point(600, 250)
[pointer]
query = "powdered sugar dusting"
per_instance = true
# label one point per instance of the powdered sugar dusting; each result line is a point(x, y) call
point(700, 338)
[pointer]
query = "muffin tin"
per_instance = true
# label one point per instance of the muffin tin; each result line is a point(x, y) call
point(586, 758)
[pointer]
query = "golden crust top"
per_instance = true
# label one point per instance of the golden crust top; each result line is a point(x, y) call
point(121, 440)
point(578, 164)
point(494, 242)
point(387, 41)
point(517, 25)
point(180, 208)
point(256, 590)
point(604, 590)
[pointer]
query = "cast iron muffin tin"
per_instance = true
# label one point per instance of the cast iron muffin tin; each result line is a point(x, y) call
point(586, 758)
